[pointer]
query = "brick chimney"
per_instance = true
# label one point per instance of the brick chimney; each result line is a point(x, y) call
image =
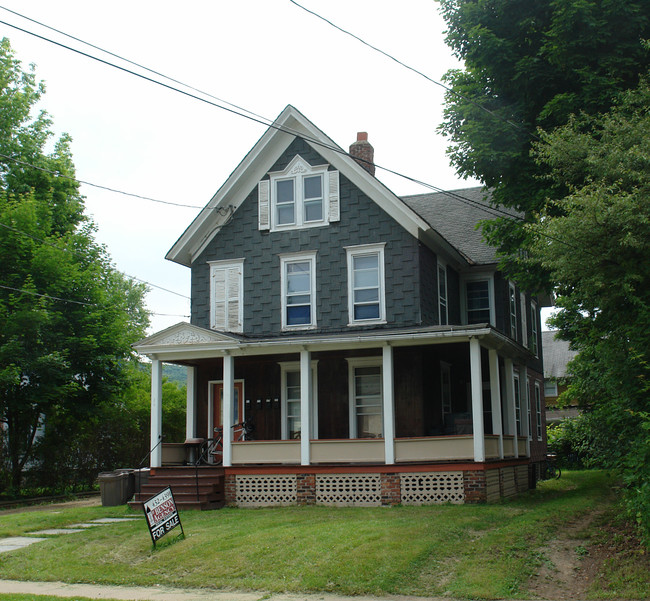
point(363, 152)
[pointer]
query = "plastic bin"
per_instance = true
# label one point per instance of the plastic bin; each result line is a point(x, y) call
point(114, 488)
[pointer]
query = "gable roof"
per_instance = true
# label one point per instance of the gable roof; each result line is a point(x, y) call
point(556, 354)
point(268, 149)
point(455, 215)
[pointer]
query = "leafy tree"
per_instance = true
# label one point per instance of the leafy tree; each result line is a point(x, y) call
point(595, 242)
point(67, 317)
point(531, 65)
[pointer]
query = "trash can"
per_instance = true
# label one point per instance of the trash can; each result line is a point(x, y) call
point(114, 488)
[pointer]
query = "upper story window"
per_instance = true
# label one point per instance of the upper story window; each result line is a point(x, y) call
point(513, 310)
point(479, 307)
point(298, 291)
point(226, 295)
point(533, 328)
point(442, 295)
point(524, 321)
point(366, 286)
point(300, 196)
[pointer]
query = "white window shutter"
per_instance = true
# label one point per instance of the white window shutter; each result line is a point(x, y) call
point(334, 197)
point(234, 305)
point(219, 299)
point(263, 193)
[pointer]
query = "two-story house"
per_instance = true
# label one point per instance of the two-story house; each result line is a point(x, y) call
point(370, 339)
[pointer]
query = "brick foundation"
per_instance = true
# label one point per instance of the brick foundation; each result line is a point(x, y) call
point(230, 489)
point(391, 491)
point(475, 486)
point(306, 489)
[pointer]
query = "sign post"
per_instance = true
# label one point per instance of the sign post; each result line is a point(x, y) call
point(162, 515)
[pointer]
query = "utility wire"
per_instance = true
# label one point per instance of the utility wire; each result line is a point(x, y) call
point(65, 300)
point(494, 211)
point(87, 183)
point(261, 120)
point(74, 252)
point(416, 71)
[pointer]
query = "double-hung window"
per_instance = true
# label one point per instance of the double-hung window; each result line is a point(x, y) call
point(538, 410)
point(366, 405)
point(533, 328)
point(300, 196)
point(478, 304)
point(291, 414)
point(298, 291)
point(513, 311)
point(442, 295)
point(517, 405)
point(226, 295)
point(366, 301)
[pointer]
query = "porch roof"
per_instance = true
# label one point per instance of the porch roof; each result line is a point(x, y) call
point(185, 342)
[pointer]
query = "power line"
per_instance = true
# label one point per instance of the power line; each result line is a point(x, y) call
point(494, 211)
point(74, 252)
point(87, 183)
point(261, 120)
point(65, 300)
point(416, 71)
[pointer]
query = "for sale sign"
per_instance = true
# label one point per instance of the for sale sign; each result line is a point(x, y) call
point(161, 514)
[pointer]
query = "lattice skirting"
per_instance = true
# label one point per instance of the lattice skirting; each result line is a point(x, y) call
point(349, 489)
point(261, 491)
point(429, 488)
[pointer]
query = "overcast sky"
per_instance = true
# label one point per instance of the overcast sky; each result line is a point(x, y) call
point(135, 136)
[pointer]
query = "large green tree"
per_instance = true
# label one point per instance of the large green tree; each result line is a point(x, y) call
point(595, 242)
point(531, 65)
point(67, 316)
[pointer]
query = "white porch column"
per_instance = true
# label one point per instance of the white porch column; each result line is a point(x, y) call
point(389, 404)
point(511, 412)
point(495, 395)
point(477, 399)
point(228, 407)
point(305, 406)
point(190, 413)
point(156, 413)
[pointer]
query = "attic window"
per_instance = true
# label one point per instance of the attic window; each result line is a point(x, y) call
point(301, 196)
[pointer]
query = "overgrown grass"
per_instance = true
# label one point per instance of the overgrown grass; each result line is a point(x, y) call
point(486, 551)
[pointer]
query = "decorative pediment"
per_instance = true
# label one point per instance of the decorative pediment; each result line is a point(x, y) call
point(182, 334)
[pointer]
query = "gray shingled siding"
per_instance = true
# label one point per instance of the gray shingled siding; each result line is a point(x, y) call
point(362, 222)
point(429, 286)
point(453, 296)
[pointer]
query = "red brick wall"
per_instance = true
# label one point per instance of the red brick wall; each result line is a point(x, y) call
point(390, 489)
point(306, 489)
point(230, 489)
point(475, 486)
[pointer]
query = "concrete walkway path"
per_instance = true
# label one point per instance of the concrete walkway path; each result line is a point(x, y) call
point(160, 593)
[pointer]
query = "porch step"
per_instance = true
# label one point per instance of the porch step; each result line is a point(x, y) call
point(192, 489)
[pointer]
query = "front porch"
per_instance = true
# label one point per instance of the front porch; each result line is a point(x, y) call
point(439, 402)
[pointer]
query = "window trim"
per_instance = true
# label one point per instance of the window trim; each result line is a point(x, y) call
point(517, 402)
point(297, 170)
point(361, 250)
point(538, 410)
point(353, 363)
point(523, 305)
point(512, 310)
point(225, 265)
point(534, 328)
point(294, 366)
point(286, 260)
point(479, 277)
point(443, 302)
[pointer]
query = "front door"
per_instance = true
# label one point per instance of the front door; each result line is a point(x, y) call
point(217, 407)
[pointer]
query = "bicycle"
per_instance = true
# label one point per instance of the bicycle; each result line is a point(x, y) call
point(552, 470)
point(213, 447)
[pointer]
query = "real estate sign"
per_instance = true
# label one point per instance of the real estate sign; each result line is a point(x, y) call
point(161, 514)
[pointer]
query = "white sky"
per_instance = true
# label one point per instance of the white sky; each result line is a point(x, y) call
point(138, 137)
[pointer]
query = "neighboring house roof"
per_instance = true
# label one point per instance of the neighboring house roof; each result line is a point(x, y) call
point(556, 354)
point(455, 215)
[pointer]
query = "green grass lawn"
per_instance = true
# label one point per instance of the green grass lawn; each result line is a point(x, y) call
point(467, 551)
